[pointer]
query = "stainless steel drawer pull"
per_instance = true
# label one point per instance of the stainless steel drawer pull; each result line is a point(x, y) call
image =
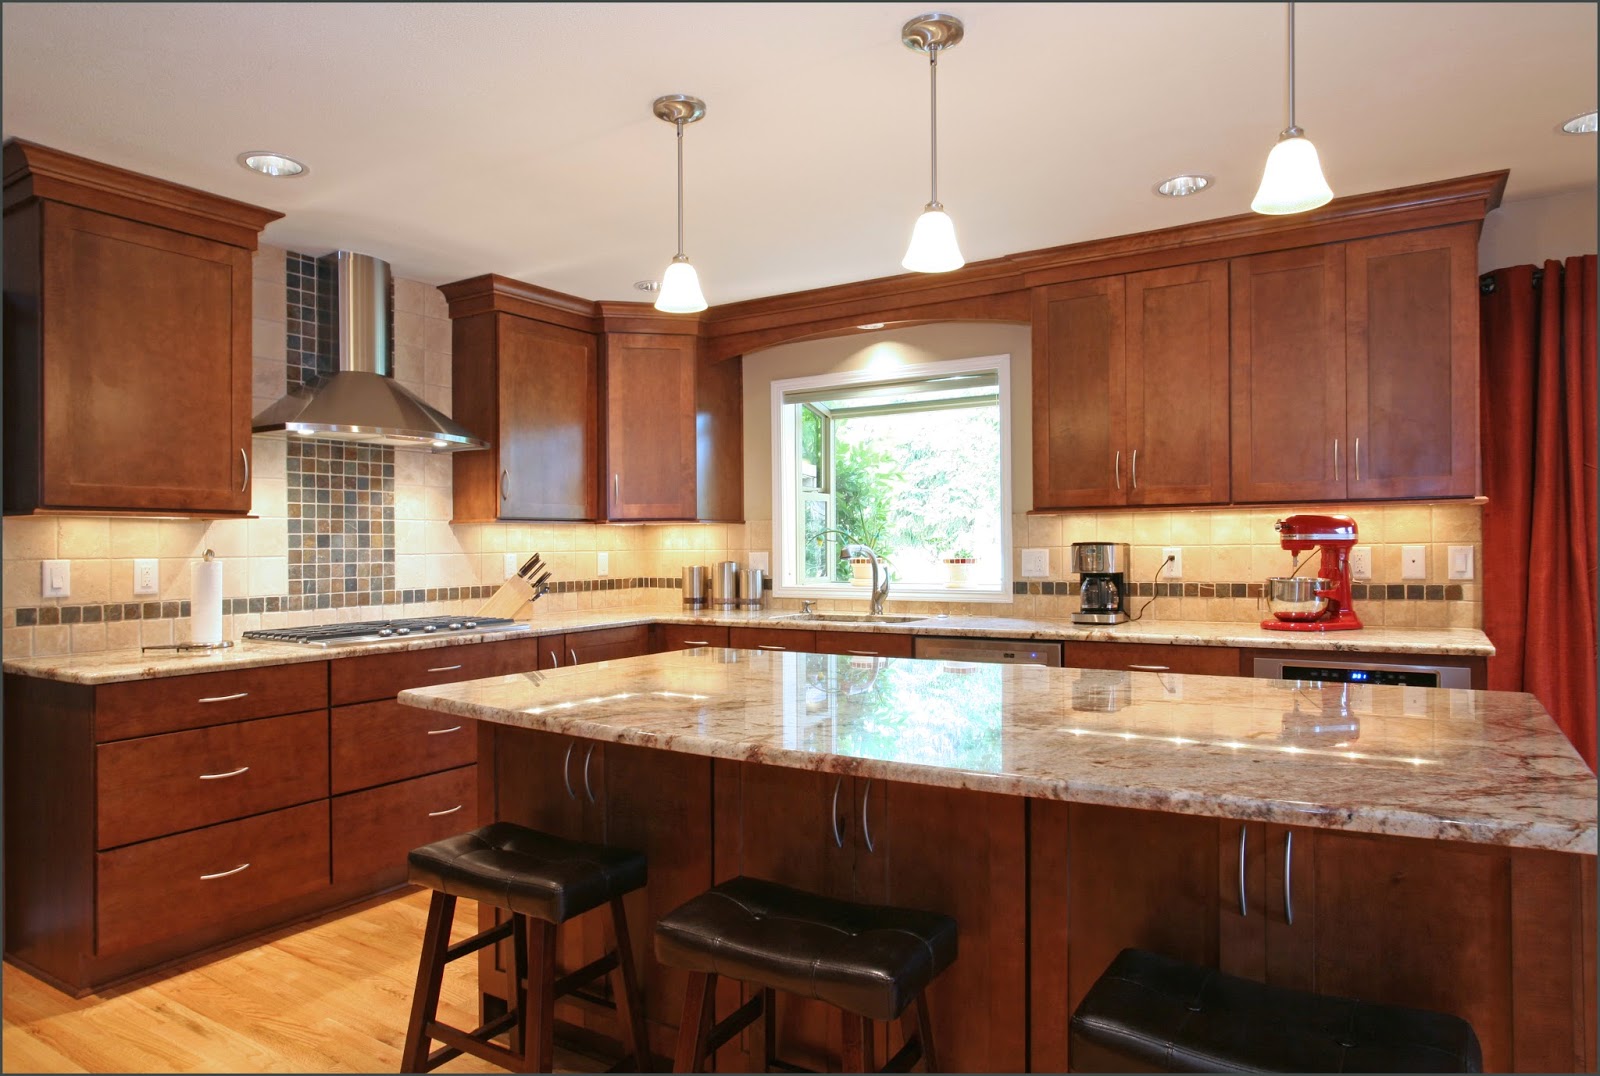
point(225, 698)
point(1244, 835)
point(1336, 459)
point(441, 732)
point(695, 642)
point(764, 646)
point(588, 789)
point(223, 874)
point(444, 668)
point(838, 834)
point(503, 492)
point(1358, 459)
point(1151, 668)
point(555, 660)
point(438, 814)
point(573, 654)
point(616, 490)
point(866, 831)
point(1136, 468)
point(246, 483)
point(220, 776)
point(566, 772)
point(1116, 469)
point(1288, 891)
point(863, 653)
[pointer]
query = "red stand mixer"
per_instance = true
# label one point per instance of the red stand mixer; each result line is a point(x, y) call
point(1322, 603)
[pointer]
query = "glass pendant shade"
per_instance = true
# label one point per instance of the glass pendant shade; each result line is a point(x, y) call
point(1292, 181)
point(933, 246)
point(680, 289)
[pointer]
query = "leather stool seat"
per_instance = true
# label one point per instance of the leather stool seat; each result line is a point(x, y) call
point(864, 959)
point(1167, 1015)
point(525, 871)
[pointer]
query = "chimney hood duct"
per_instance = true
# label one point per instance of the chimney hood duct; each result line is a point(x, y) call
point(361, 401)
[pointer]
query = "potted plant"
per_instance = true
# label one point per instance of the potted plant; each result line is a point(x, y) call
point(957, 564)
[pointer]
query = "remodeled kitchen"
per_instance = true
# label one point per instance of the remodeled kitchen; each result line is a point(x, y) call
point(484, 591)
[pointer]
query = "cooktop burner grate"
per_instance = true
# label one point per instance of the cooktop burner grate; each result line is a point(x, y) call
point(377, 631)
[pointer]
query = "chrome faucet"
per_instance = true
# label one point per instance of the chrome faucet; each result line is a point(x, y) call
point(880, 590)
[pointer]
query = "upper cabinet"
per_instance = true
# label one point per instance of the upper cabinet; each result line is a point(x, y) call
point(127, 340)
point(1130, 398)
point(648, 398)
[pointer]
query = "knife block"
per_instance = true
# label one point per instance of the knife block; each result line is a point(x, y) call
point(514, 599)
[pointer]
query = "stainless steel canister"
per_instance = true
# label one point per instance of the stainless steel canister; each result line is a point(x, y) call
point(752, 587)
point(696, 586)
point(725, 584)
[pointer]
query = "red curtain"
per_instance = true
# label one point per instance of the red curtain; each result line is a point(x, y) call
point(1539, 472)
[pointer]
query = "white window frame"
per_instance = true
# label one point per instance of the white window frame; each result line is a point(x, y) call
point(785, 479)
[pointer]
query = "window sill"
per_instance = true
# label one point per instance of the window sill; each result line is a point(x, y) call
point(968, 593)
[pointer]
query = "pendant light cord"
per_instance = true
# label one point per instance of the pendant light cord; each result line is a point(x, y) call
point(679, 125)
point(933, 112)
point(1291, 65)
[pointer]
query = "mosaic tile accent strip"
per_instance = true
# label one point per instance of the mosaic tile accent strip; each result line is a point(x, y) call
point(341, 524)
point(309, 291)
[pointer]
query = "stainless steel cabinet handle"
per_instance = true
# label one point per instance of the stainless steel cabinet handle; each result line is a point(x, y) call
point(1358, 459)
point(764, 646)
point(555, 660)
point(695, 642)
point(437, 814)
point(1244, 907)
point(1116, 469)
point(588, 789)
point(1336, 459)
point(503, 489)
point(1151, 668)
point(1136, 468)
point(863, 653)
point(573, 654)
point(866, 831)
point(223, 874)
point(838, 834)
point(616, 489)
point(246, 483)
point(444, 668)
point(441, 732)
point(220, 776)
point(1288, 874)
point(225, 698)
point(566, 772)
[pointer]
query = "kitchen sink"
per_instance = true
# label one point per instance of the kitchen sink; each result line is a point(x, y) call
point(852, 618)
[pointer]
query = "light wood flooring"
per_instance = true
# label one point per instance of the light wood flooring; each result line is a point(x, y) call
point(330, 995)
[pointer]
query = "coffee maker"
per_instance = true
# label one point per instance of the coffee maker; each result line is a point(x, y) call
point(1325, 604)
point(1102, 568)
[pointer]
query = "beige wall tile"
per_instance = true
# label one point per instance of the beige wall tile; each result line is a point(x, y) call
point(84, 538)
point(1407, 524)
point(91, 582)
point(20, 582)
point(18, 642)
point(1457, 524)
point(269, 339)
point(1191, 528)
point(51, 641)
point(267, 262)
point(1232, 527)
point(182, 538)
point(88, 638)
point(1152, 528)
point(135, 538)
point(1042, 530)
point(30, 537)
point(123, 635)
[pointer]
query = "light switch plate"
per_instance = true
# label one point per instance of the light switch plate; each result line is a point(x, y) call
point(147, 576)
point(1361, 562)
point(1461, 559)
point(56, 579)
point(1175, 569)
point(1413, 562)
point(511, 565)
point(602, 563)
point(760, 561)
point(1035, 563)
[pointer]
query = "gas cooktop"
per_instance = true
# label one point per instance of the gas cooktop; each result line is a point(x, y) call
point(381, 631)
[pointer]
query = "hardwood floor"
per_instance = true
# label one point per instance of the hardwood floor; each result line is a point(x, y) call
point(329, 995)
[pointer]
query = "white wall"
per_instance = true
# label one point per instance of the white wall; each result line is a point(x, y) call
point(1528, 231)
point(885, 349)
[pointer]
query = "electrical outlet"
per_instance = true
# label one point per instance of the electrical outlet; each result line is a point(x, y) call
point(1175, 569)
point(1413, 562)
point(56, 579)
point(147, 576)
point(1035, 563)
point(602, 563)
point(511, 565)
point(760, 561)
point(1361, 562)
point(1461, 562)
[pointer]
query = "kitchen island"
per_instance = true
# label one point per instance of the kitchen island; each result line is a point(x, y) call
point(1416, 846)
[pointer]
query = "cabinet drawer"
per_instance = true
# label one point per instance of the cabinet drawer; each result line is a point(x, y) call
point(373, 830)
point(606, 644)
point(383, 676)
point(146, 707)
point(171, 886)
point(689, 636)
point(157, 785)
point(868, 643)
point(375, 743)
point(1153, 657)
point(771, 639)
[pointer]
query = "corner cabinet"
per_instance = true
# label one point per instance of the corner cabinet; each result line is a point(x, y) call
point(124, 293)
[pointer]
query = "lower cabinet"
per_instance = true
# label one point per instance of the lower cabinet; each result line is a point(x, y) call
point(771, 639)
point(1152, 657)
point(689, 636)
point(373, 830)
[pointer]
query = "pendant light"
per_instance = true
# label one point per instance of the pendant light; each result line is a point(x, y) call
point(1292, 181)
point(933, 246)
point(680, 286)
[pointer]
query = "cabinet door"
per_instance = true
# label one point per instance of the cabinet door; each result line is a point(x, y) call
point(1289, 440)
point(649, 399)
point(1079, 395)
point(1177, 385)
point(548, 420)
point(137, 317)
point(1412, 352)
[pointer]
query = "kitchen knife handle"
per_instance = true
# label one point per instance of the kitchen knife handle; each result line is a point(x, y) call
point(1116, 468)
point(1336, 459)
point(246, 483)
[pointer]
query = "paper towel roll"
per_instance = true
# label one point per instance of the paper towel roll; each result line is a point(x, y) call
point(206, 605)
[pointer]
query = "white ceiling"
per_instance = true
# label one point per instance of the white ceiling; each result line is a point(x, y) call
point(457, 139)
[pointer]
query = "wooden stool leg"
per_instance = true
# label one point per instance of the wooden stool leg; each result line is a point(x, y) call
point(519, 979)
point(694, 1030)
point(857, 1053)
point(430, 974)
point(930, 1057)
point(630, 1002)
point(539, 1000)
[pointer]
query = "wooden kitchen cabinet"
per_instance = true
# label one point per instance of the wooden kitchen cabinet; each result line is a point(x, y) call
point(121, 293)
point(690, 636)
point(743, 638)
point(1152, 657)
point(648, 399)
point(875, 644)
point(1130, 395)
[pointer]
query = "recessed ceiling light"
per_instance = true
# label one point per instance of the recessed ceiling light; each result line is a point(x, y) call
point(271, 164)
point(1584, 124)
point(1183, 186)
point(871, 325)
point(647, 285)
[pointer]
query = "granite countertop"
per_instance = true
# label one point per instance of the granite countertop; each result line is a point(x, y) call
point(113, 666)
point(1473, 766)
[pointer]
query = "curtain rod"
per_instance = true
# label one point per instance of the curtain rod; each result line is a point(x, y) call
point(1486, 282)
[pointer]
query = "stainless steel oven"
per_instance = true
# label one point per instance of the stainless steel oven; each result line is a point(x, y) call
point(1304, 666)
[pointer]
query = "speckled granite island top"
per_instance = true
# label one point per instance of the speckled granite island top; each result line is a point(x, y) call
point(1474, 766)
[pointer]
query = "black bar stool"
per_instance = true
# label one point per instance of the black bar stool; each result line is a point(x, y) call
point(542, 881)
point(869, 961)
point(1151, 1013)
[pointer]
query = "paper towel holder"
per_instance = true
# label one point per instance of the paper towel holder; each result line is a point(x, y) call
point(226, 644)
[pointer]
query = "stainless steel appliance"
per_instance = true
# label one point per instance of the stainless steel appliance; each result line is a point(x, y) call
point(1304, 666)
point(1102, 568)
point(1003, 651)
point(379, 631)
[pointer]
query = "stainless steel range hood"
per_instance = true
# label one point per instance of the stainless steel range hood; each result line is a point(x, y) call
point(361, 401)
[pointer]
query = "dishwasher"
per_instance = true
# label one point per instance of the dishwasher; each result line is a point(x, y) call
point(1003, 651)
